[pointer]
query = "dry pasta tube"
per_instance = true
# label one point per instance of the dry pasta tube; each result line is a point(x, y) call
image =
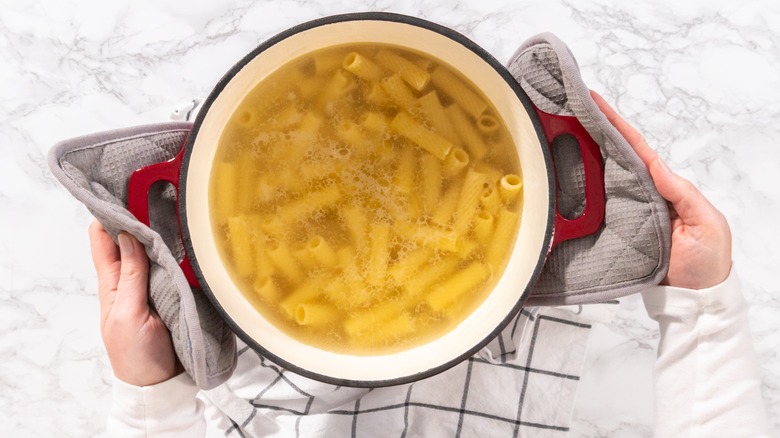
point(428, 140)
point(315, 314)
point(362, 67)
point(410, 73)
point(455, 162)
point(457, 285)
point(509, 187)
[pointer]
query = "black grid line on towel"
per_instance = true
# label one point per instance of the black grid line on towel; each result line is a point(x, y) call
point(416, 402)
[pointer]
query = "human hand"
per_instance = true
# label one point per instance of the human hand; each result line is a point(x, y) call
point(138, 344)
point(701, 238)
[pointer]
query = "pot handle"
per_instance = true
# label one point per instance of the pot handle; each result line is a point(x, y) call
point(138, 187)
point(591, 219)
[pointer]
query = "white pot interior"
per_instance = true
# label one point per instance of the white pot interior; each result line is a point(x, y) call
point(524, 259)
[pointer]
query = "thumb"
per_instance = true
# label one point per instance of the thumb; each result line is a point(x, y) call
point(689, 203)
point(131, 292)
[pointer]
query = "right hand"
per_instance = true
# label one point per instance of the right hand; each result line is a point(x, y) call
point(701, 238)
point(138, 344)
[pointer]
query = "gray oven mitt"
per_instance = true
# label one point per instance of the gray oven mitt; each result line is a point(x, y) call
point(629, 253)
point(95, 169)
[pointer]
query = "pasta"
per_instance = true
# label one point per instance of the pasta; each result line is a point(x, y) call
point(365, 198)
point(458, 284)
point(487, 124)
point(315, 314)
point(241, 245)
point(412, 74)
point(420, 135)
point(510, 187)
point(321, 252)
point(455, 161)
point(430, 175)
point(362, 67)
point(505, 225)
point(465, 129)
point(398, 92)
point(380, 253)
point(283, 260)
point(468, 201)
point(266, 288)
point(433, 111)
point(459, 92)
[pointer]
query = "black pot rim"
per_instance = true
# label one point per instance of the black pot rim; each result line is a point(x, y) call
point(365, 16)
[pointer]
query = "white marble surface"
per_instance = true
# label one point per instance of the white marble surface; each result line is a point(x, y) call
point(701, 79)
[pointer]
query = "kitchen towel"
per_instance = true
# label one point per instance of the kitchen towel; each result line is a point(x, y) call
point(629, 252)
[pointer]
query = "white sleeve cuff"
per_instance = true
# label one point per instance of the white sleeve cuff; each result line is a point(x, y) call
point(168, 408)
point(681, 302)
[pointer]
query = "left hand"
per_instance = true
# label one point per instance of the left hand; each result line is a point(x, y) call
point(138, 344)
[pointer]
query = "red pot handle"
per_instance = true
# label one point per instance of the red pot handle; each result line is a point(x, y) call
point(138, 198)
point(591, 219)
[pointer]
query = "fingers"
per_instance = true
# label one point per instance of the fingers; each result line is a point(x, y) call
point(687, 201)
point(132, 287)
point(632, 136)
point(105, 257)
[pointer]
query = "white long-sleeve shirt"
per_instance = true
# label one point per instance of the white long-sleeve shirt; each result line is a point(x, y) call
point(706, 383)
point(706, 375)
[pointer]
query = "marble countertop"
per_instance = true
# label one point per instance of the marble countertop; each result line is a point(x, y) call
point(700, 79)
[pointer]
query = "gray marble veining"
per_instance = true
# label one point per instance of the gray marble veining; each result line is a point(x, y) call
point(700, 79)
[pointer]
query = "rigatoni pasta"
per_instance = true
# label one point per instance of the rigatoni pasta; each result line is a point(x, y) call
point(365, 198)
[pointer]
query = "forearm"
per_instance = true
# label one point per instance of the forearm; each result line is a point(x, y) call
point(706, 375)
point(168, 409)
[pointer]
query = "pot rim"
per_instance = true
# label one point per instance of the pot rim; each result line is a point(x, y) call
point(367, 16)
